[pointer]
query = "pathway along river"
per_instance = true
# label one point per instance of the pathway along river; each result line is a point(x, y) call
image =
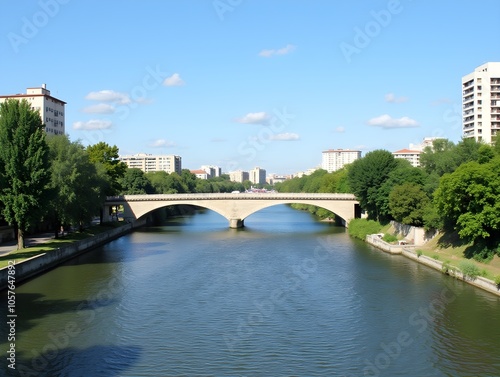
point(285, 296)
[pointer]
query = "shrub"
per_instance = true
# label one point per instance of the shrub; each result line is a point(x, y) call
point(497, 281)
point(448, 269)
point(469, 269)
point(419, 253)
point(389, 238)
point(360, 228)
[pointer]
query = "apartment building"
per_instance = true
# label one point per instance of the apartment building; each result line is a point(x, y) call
point(335, 159)
point(150, 162)
point(51, 109)
point(481, 102)
point(258, 176)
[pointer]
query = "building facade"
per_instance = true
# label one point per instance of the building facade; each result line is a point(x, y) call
point(51, 109)
point(149, 162)
point(238, 176)
point(413, 156)
point(481, 102)
point(257, 176)
point(212, 170)
point(335, 159)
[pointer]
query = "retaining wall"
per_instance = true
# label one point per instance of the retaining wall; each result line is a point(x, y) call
point(43, 262)
point(410, 252)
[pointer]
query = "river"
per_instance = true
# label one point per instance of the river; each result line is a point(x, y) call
point(285, 296)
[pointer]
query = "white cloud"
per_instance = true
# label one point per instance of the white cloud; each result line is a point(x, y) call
point(254, 118)
point(285, 137)
point(102, 108)
point(340, 130)
point(108, 96)
point(174, 80)
point(162, 143)
point(280, 51)
point(94, 124)
point(391, 98)
point(386, 121)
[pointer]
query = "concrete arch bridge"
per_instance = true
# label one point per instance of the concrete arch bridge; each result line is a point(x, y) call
point(235, 207)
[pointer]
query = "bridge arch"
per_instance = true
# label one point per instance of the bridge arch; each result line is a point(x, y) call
point(235, 207)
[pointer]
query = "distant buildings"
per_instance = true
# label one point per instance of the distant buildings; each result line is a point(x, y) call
point(257, 176)
point(335, 159)
point(51, 109)
point(212, 170)
point(481, 102)
point(413, 156)
point(239, 176)
point(149, 162)
point(201, 174)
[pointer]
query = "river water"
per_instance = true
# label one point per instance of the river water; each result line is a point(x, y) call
point(285, 296)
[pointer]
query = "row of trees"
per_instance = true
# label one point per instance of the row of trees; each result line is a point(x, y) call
point(457, 188)
point(50, 179)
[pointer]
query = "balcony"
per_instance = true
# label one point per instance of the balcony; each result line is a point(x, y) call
point(495, 88)
point(469, 98)
point(468, 84)
point(468, 105)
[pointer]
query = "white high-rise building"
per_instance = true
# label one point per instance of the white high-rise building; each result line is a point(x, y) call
point(258, 176)
point(481, 102)
point(50, 108)
point(149, 162)
point(335, 159)
point(238, 176)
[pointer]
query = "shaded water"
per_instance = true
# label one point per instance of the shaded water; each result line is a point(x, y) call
point(285, 296)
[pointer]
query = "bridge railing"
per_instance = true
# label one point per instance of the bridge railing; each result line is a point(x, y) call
point(232, 196)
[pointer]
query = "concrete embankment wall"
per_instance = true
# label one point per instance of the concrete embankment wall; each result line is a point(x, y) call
point(43, 262)
point(409, 251)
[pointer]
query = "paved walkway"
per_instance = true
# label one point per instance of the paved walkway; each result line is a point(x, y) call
point(7, 247)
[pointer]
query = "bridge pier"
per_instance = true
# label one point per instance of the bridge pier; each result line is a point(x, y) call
point(236, 223)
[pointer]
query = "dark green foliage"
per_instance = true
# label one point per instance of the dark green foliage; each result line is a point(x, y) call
point(408, 203)
point(107, 156)
point(469, 201)
point(366, 177)
point(24, 173)
point(135, 183)
point(78, 188)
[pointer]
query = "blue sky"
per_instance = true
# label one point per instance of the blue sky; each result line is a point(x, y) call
point(244, 83)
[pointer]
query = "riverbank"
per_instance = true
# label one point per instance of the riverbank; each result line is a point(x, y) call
point(44, 261)
point(412, 253)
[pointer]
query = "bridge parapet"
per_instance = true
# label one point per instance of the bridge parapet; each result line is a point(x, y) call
point(235, 207)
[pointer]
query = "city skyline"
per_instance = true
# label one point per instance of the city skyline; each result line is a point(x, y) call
point(243, 84)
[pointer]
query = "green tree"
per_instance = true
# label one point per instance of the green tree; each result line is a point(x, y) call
point(78, 189)
point(24, 175)
point(159, 181)
point(469, 201)
point(107, 155)
point(408, 203)
point(366, 177)
point(135, 183)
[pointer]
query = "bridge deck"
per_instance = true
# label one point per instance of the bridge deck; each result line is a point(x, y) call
point(229, 196)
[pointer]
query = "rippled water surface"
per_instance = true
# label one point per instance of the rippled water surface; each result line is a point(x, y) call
point(285, 296)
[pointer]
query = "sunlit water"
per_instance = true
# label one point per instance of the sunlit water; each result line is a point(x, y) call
point(285, 296)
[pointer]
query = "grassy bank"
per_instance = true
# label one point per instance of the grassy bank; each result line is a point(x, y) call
point(448, 249)
point(54, 244)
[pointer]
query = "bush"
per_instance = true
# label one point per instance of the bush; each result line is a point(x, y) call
point(419, 253)
point(389, 238)
point(360, 228)
point(448, 269)
point(469, 269)
point(497, 281)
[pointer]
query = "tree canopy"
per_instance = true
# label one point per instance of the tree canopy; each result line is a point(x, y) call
point(25, 167)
